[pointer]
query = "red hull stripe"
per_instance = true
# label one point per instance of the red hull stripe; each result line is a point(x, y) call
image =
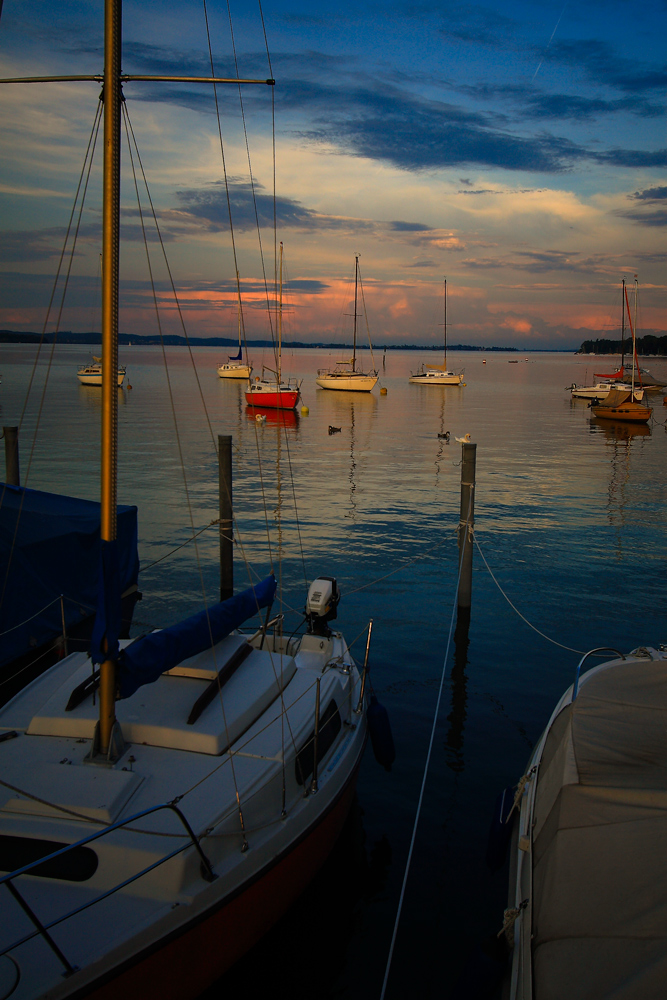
point(183, 966)
point(279, 400)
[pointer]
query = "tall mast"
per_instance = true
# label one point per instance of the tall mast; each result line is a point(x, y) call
point(280, 316)
point(110, 267)
point(623, 326)
point(635, 363)
point(445, 323)
point(354, 335)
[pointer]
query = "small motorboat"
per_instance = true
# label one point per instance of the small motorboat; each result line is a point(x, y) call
point(601, 389)
point(588, 876)
point(92, 374)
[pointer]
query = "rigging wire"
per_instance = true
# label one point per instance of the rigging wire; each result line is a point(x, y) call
point(87, 162)
point(515, 609)
point(182, 464)
point(436, 712)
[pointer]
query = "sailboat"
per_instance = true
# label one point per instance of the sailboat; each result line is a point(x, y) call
point(623, 404)
point(648, 381)
point(235, 367)
point(164, 801)
point(344, 375)
point(438, 374)
point(275, 392)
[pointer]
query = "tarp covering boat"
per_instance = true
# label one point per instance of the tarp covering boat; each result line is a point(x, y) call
point(50, 545)
point(147, 658)
point(599, 859)
point(616, 397)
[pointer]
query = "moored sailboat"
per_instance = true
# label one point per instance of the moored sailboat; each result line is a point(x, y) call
point(235, 366)
point(344, 375)
point(624, 404)
point(158, 814)
point(430, 374)
point(276, 392)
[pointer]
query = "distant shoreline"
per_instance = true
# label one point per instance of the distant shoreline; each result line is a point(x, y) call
point(130, 340)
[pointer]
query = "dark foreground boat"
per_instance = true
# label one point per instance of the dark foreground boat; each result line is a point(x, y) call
point(588, 880)
point(163, 801)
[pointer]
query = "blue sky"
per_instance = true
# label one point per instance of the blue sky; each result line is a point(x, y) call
point(520, 150)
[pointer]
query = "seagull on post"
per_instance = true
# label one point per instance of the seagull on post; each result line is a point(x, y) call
point(463, 440)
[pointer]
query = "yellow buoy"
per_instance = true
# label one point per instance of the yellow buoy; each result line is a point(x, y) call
point(304, 411)
point(383, 391)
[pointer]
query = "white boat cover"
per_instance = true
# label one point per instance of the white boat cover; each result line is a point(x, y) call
point(600, 841)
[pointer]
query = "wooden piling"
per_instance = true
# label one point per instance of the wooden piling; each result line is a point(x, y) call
point(466, 523)
point(226, 517)
point(12, 474)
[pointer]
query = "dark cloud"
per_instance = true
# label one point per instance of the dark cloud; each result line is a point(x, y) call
point(574, 108)
point(210, 206)
point(409, 227)
point(603, 64)
point(651, 194)
point(479, 191)
point(653, 219)
point(632, 157)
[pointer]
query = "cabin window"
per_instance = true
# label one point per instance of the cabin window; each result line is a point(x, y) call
point(330, 726)
point(77, 865)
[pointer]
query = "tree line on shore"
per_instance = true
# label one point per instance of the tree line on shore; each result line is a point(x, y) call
point(645, 345)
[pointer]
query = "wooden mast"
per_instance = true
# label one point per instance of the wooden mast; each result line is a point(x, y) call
point(445, 360)
point(623, 328)
point(110, 268)
point(354, 328)
point(280, 318)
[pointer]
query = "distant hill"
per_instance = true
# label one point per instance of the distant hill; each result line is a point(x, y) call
point(645, 345)
point(128, 339)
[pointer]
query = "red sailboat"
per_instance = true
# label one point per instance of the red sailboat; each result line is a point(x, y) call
point(273, 392)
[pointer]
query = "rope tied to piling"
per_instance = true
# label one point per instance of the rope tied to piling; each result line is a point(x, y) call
point(510, 917)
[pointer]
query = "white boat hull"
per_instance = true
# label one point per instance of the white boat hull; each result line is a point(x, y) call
point(347, 381)
point(437, 378)
point(587, 871)
point(95, 378)
point(235, 371)
point(602, 389)
point(172, 932)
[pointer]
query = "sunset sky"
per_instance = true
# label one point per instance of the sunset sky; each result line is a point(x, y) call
point(519, 149)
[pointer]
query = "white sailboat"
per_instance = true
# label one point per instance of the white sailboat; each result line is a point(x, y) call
point(430, 374)
point(344, 375)
point(235, 366)
point(157, 815)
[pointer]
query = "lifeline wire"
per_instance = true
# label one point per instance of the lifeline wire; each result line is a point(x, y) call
point(428, 760)
point(514, 608)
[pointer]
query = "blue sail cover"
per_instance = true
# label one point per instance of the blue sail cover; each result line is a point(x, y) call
point(146, 659)
point(236, 357)
point(50, 545)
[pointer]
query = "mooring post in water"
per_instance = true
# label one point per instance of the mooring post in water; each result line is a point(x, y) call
point(466, 523)
point(226, 517)
point(12, 475)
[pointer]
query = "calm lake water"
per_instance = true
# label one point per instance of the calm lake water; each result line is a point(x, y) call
point(571, 518)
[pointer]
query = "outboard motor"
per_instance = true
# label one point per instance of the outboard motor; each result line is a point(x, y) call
point(322, 605)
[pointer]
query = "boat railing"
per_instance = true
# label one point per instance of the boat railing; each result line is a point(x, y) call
point(42, 929)
point(591, 652)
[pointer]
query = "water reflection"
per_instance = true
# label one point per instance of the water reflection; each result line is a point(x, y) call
point(91, 396)
point(619, 438)
point(289, 419)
